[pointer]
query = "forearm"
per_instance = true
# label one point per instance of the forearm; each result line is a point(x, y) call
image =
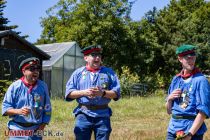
point(110, 94)
point(76, 94)
point(197, 123)
point(169, 106)
point(13, 111)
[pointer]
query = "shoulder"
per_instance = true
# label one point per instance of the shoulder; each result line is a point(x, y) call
point(16, 83)
point(175, 78)
point(199, 77)
point(15, 86)
point(42, 83)
point(79, 70)
point(107, 70)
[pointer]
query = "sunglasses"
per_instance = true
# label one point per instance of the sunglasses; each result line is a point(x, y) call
point(189, 55)
point(96, 54)
point(33, 68)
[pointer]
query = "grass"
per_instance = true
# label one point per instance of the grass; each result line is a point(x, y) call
point(136, 118)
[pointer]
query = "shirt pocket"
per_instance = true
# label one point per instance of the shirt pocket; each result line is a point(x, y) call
point(104, 81)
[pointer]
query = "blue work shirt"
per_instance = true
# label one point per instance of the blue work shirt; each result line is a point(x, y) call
point(17, 96)
point(195, 97)
point(81, 80)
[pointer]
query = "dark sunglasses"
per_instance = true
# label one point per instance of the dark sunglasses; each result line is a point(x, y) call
point(33, 68)
point(189, 55)
point(96, 54)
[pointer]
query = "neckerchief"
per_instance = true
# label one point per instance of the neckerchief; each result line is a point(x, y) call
point(91, 69)
point(30, 86)
point(194, 71)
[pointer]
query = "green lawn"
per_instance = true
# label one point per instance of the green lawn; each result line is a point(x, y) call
point(137, 118)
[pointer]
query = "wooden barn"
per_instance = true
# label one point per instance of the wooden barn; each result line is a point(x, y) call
point(14, 49)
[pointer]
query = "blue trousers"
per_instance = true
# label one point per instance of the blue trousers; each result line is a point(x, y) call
point(173, 137)
point(25, 138)
point(84, 126)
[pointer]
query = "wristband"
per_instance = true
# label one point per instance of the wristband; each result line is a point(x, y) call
point(190, 134)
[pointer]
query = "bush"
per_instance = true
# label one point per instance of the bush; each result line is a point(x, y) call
point(127, 80)
point(157, 82)
point(4, 84)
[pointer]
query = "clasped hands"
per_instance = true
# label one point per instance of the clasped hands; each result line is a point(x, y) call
point(93, 92)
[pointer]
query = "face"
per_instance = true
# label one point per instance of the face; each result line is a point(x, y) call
point(188, 61)
point(93, 60)
point(31, 73)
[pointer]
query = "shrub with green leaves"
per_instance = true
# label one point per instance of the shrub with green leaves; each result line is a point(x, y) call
point(127, 79)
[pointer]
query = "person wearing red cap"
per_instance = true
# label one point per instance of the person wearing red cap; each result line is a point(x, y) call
point(27, 102)
point(93, 86)
point(188, 99)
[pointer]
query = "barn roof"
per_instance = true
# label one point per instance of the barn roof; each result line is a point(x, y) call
point(24, 41)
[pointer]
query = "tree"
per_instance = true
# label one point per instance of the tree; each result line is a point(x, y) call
point(88, 22)
point(147, 47)
point(181, 22)
point(4, 21)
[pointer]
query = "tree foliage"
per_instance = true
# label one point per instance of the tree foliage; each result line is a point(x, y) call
point(146, 47)
point(88, 22)
point(4, 21)
point(181, 22)
point(127, 80)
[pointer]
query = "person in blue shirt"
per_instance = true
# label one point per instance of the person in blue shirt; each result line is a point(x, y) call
point(93, 86)
point(27, 103)
point(188, 98)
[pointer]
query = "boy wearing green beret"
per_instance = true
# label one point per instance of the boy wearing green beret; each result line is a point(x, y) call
point(188, 99)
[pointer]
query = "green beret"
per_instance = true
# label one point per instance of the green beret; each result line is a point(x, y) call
point(185, 49)
point(90, 49)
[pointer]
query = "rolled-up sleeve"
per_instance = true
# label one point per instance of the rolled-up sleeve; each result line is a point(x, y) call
point(115, 86)
point(48, 108)
point(8, 101)
point(71, 86)
point(203, 97)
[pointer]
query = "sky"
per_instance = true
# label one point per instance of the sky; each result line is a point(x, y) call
point(27, 13)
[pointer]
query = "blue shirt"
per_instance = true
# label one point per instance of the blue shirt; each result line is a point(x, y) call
point(81, 80)
point(195, 97)
point(17, 96)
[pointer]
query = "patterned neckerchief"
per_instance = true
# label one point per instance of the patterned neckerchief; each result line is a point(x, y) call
point(30, 86)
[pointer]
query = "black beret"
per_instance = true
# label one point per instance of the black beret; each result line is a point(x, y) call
point(30, 61)
point(90, 49)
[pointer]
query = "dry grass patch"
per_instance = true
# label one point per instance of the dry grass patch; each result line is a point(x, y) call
point(137, 118)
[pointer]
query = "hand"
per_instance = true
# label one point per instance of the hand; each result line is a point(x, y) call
point(23, 111)
point(175, 94)
point(97, 91)
point(89, 93)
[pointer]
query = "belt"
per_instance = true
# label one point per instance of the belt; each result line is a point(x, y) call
point(93, 107)
point(183, 117)
point(26, 124)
